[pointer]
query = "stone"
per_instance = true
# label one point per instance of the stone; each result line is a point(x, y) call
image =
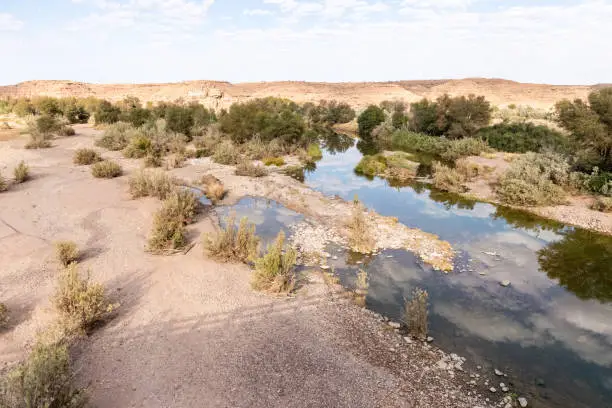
point(479, 367)
point(505, 389)
point(395, 325)
point(430, 339)
point(505, 283)
point(508, 405)
point(442, 365)
point(498, 373)
point(522, 402)
point(493, 389)
point(408, 340)
point(325, 267)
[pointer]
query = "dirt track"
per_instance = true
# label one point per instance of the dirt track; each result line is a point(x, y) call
point(218, 94)
point(191, 332)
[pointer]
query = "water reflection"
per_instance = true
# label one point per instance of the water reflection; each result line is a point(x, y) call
point(334, 142)
point(582, 263)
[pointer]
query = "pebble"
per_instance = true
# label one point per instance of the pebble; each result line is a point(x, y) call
point(430, 339)
point(505, 283)
point(498, 373)
point(482, 273)
point(493, 389)
point(395, 325)
point(335, 257)
point(408, 340)
point(325, 267)
point(522, 402)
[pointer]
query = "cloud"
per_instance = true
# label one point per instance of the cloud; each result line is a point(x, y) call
point(257, 12)
point(8, 22)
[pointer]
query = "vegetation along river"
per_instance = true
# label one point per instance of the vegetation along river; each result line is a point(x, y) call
point(550, 330)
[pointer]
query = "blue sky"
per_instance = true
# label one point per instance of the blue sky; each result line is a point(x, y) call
point(105, 41)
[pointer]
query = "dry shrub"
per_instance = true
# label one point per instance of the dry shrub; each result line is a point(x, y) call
point(247, 168)
point(154, 183)
point(360, 239)
point(21, 172)
point(448, 179)
point(39, 141)
point(469, 169)
point(138, 146)
point(214, 189)
point(3, 183)
point(226, 153)
point(603, 204)
point(295, 172)
point(153, 160)
point(175, 161)
point(80, 302)
point(233, 244)
point(67, 252)
point(86, 157)
point(66, 130)
point(44, 380)
point(168, 233)
point(255, 149)
point(415, 314)
point(106, 169)
point(361, 288)
point(274, 161)
point(115, 136)
point(3, 315)
point(274, 272)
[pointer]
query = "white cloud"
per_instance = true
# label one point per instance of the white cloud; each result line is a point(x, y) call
point(257, 12)
point(9, 22)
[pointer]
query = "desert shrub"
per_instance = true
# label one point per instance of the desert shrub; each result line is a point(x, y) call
point(598, 182)
point(226, 153)
point(115, 136)
point(274, 161)
point(3, 183)
point(43, 125)
point(21, 172)
point(372, 165)
point(603, 204)
point(80, 302)
point(415, 314)
point(155, 183)
point(464, 148)
point(522, 138)
point(255, 148)
point(66, 131)
point(233, 244)
point(214, 188)
point(247, 168)
point(468, 170)
point(295, 172)
point(106, 169)
point(179, 119)
point(360, 238)
point(423, 117)
point(371, 117)
point(38, 141)
point(67, 252)
point(86, 157)
point(44, 380)
point(23, 108)
point(419, 142)
point(107, 113)
point(274, 271)
point(138, 147)
point(168, 232)
point(4, 315)
point(76, 114)
point(153, 160)
point(448, 179)
point(175, 161)
point(314, 151)
point(534, 179)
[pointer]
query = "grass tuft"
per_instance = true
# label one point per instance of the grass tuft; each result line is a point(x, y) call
point(360, 239)
point(274, 161)
point(67, 252)
point(274, 271)
point(247, 168)
point(85, 157)
point(39, 141)
point(4, 315)
point(106, 169)
point(233, 244)
point(178, 210)
point(226, 153)
point(448, 179)
point(154, 183)
point(214, 189)
point(21, 172)
point(603, 204)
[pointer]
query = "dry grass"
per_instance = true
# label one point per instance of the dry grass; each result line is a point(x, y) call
point(274, 161)
point(274, 272)
point(154, 183)
point(448, 179)
point(3, 184)
point(247, 168)
point(85, 157)
point(21, 172)
point(175, 161)
point(44, 380)
point(233, 244)
point(603, 204)
point(415, 314)
point(360, 239)
point(178, 210)
point(214, 188)
point(361, 288)
point(226, 153)
point(106, 169)
point(39, 141)
point(67, 252)
point(80, 302)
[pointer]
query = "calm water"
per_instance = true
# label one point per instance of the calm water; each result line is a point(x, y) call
point(550, 330)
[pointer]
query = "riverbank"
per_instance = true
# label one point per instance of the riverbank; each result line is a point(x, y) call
point(190, 329)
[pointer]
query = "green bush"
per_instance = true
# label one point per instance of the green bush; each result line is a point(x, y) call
point(314, 151)
point(179, 119)
point(449, 150)
point(44, 380)
point(274, 271)
point(274, 161)
point(106, 169)
point(369, 119)
point(463, 148)
point(86, 157)
point(107, 113)
point(522, 138)
point(21, 172)
point(372, 165)
point(534, 179)
point(168, 232)
point(233, 244)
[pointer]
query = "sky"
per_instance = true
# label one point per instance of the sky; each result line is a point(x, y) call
point(138, 41)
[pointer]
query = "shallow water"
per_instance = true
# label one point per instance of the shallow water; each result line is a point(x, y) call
point(550, 330)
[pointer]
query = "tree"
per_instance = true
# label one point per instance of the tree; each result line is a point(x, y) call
point(369, 119)
point(590, 126)
point(423, 117)
point(462, 117)
point(107, 113)
point(339, 112)
point(179, 119)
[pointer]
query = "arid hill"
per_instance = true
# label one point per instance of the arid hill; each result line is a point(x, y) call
point(218, 94)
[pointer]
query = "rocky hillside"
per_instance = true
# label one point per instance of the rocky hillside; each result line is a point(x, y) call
point(217, 94)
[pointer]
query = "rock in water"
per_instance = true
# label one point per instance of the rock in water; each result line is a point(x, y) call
point(498, 373)
point(522, 402)
point(505, 283)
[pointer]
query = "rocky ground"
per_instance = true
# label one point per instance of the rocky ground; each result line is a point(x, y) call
point(189, 331)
